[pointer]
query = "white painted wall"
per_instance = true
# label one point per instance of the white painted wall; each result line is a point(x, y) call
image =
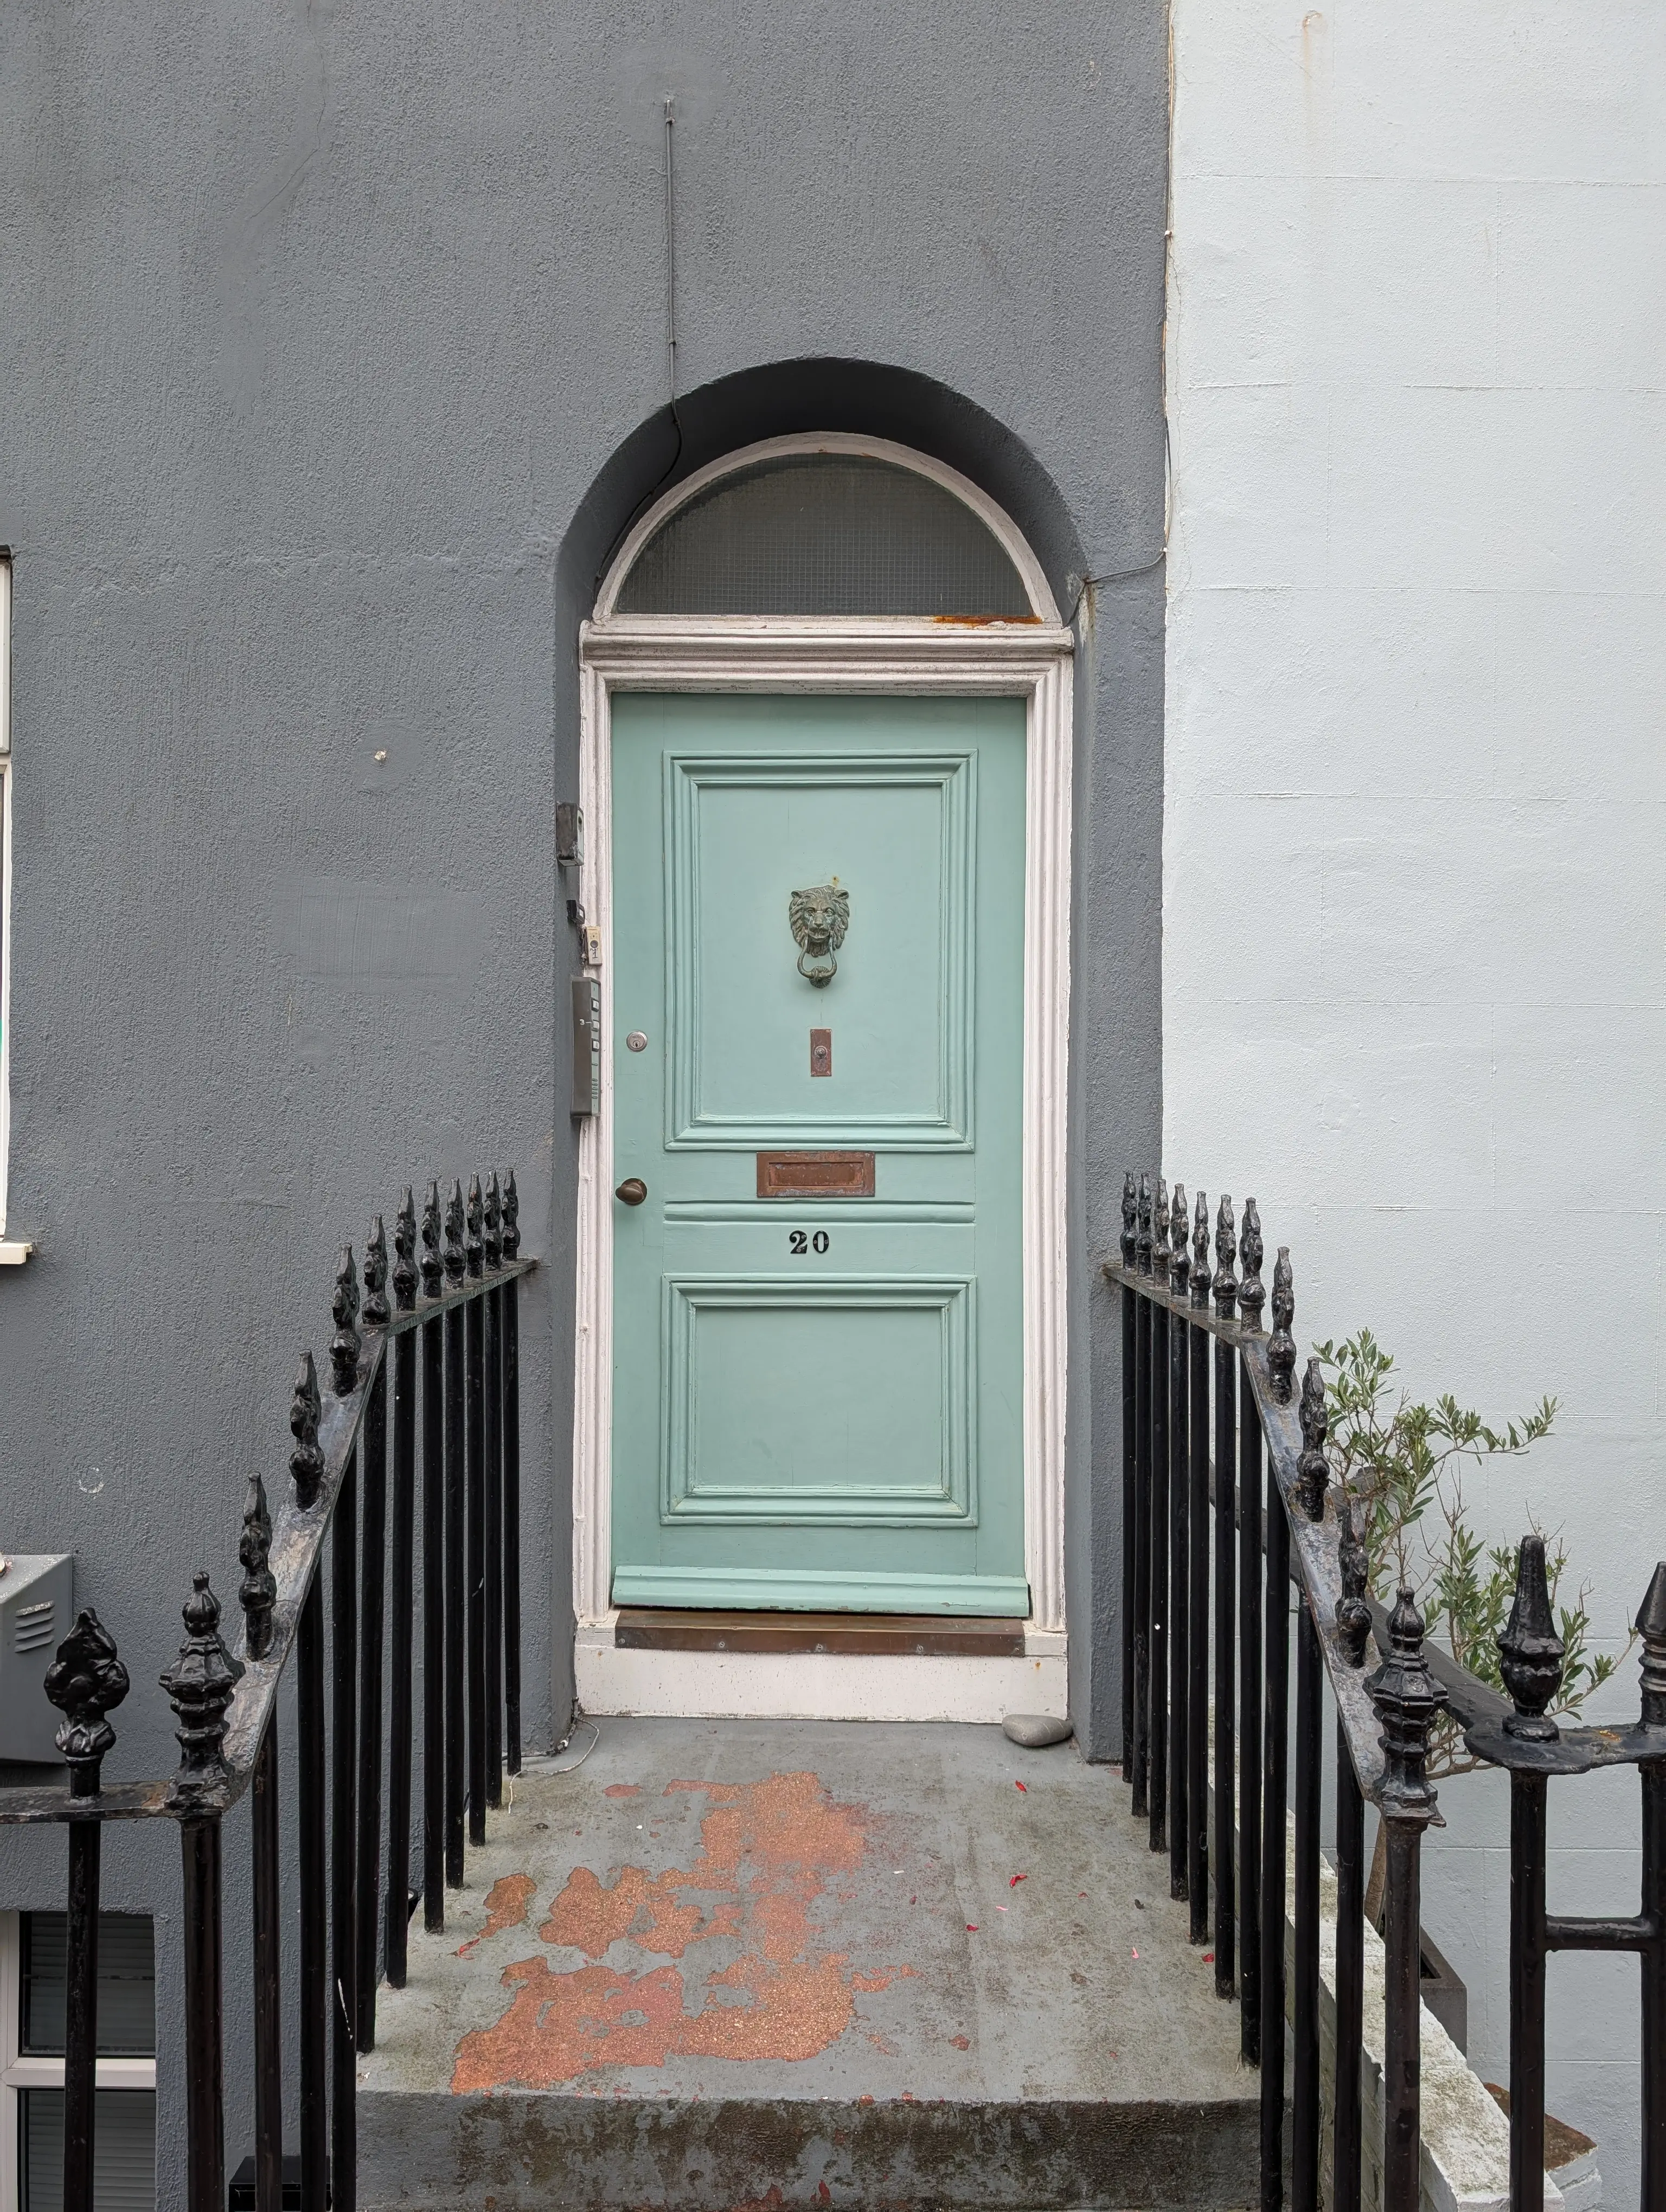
point(1415, 963)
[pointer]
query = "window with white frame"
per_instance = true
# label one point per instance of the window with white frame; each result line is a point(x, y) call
point(33, 1987)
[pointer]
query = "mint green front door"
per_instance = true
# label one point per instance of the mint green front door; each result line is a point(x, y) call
point(819, 1305)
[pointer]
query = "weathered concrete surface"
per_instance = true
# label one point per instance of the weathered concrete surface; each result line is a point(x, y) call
point(785, 1964)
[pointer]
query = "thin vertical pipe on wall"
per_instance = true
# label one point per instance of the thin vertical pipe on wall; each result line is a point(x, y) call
point(313, 1895)
point(268, 1903)
point(1347, 2138)
point(1309, 1716)
point(81, 2015)
point(1158, 1755)
point(512, 1525)
point(374, 1556)
point(1141, 1774)
point(344, 1837)
point(433, 1625)
point(1274, 1785)
point(402, 1603)
point(1251, 1639)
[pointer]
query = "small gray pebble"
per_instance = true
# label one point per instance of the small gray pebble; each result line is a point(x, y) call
point(1035, 1731)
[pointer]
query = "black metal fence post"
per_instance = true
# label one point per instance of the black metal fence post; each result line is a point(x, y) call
point(492, 1454)
point(86, 1681)
point(1408, 1699)
point(433, 1578)
point(1141, 1774)
point(1130, 1325)
point(372, 1554)
point(1651, 1626)
point(1197, 1765)
point(1180, 1624)
point(474, 1422)
point(1347, 2139)
point(199, 1685)
point(1157, 1740)
point(456, 1565)
point(402, 1603)
point(511, 1297)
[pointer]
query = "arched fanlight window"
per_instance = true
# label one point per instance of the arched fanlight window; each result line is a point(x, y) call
point(825, 533)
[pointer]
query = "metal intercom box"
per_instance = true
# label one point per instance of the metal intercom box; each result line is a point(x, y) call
point(37, 1602)
point(586, 1045)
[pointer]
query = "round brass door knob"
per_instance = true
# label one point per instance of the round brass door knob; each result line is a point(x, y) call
point(632, 1191)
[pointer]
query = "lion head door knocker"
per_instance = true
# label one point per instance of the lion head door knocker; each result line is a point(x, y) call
point(819, 918)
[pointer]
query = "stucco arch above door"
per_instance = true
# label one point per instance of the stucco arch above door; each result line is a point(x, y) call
point(1022, 652)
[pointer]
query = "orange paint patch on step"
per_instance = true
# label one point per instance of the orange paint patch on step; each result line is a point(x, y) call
point(774, 1846)
point(623, 1789)
point(507, 1901)
point(589, 1918)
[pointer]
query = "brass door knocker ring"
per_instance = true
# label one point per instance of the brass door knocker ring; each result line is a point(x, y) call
point(819, 918)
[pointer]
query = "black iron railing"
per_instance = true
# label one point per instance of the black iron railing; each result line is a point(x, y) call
point(1231, 1525)
point(347, 1624)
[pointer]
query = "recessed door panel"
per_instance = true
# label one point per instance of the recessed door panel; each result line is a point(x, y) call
point(818, 929)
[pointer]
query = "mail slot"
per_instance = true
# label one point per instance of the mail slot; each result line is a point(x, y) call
point(814, 1175)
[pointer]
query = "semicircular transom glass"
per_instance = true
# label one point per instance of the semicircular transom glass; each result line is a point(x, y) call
point(825, 534)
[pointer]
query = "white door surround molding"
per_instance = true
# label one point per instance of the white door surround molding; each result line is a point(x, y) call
point(1026, 659)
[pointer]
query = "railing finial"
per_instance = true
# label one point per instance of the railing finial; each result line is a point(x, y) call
point(1180, 1265)
point(493, 1240)
point(258, 1593)
point(1407, 1698)
point(344, 1312)
point(305, 1460)
point(511, 1218)
point(1252, 1295)
point(454, 1262)
point(1313, 1468)
point(1201, 1252)
point(1281, 1346)
point(404, 1249)
point(1227, 1250)
point(85, 1681)
point(1159, 1225)
point(1143, 1243)
point(1651, 1627)
point(1130, 1219)
point(376, 1314)
point(200, 1685)
point(1531, 1652)
point(1353, 1612)
point(433, 1268)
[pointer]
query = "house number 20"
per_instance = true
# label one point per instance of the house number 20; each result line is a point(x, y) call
point(799, 1241)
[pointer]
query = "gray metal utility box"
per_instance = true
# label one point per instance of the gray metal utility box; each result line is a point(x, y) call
point(37, 1602)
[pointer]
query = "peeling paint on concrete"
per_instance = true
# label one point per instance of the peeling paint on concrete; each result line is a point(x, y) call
point(767, 1851)
point(506, 1907)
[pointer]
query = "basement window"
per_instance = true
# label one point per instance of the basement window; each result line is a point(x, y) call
point(33, 1983)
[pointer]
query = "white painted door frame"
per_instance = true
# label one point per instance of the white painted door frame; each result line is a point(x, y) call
point(1029, 660)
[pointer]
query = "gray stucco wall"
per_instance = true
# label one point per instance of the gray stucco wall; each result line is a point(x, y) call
point(334, 364)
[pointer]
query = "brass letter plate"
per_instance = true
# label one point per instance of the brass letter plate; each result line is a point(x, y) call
point(814, 1175)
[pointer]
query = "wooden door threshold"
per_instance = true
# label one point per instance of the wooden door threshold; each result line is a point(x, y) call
point(665, 1628)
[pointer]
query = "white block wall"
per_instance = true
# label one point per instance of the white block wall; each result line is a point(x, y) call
point(1415, 950)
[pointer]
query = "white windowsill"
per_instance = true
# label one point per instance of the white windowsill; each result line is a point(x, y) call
point(14, 1253)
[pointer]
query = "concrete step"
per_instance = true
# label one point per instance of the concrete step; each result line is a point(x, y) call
point(752, 1966)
